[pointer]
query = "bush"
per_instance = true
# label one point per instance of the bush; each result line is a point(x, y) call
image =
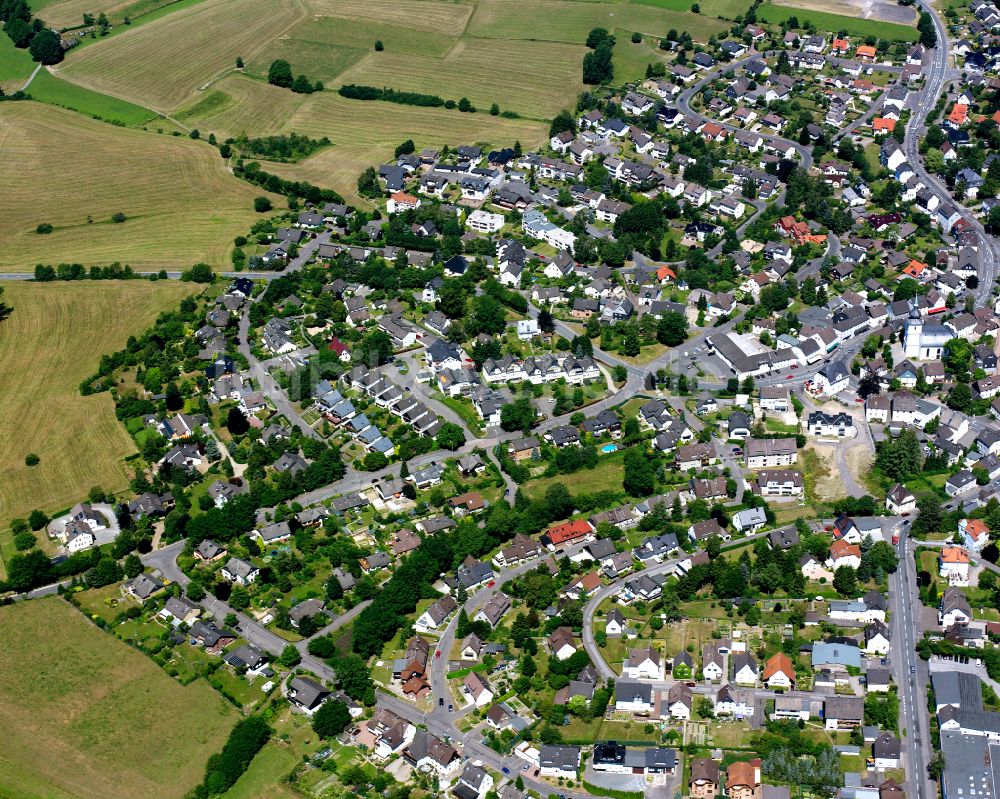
point(25, 540)
point(118, 218)
point(31, 459)
point(261, 205)
point(43, 229)
point(636, 37)
point(379, 47)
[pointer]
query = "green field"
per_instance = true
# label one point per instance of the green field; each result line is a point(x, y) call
point(775, 15)
point(47, 88)
point(52, 341)
point(571, 21)
point(723, 9)
point(15, 65)
point(87, 717)
point(606, 476)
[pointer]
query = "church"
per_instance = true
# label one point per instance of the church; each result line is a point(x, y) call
point(925, 342)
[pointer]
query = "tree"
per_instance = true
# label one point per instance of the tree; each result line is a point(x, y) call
point(631, 345)
point(450, 436)
point(672, 329)
point(845, 581)
point(132, 566)
point(368, 185)
point(334, 590)
point(563, 122)
point(929, 515)
point(518, 415)
point(640, 475)
point(239, 62)
point(290, 657)
point(331, 719)
point(31, 459)
point(280, 73)
point(37, 519)
point(46, 47)
point(236, 422)
point(928, 33)
point(960, 398)
point(24, 540)
point(261, 205)
point(379, 47)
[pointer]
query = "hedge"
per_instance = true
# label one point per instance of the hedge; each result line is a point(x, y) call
point(597, 790)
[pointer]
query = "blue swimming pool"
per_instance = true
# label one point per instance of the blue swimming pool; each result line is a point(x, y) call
point(609, 448)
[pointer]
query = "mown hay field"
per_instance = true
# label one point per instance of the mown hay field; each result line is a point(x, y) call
point(535, 79)
point(162, 64)
point(53, 340)
point(182, 205)
point(87, 717)
point(366, 133)
point(571, 21)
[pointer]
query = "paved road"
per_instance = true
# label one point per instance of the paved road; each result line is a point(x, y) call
point(936, 72)
point(606, 591)
point(684, 105)
point(910, 673)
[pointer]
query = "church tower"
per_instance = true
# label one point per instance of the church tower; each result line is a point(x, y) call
point(914, 329)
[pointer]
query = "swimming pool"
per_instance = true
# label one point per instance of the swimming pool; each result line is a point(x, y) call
point(609, 448)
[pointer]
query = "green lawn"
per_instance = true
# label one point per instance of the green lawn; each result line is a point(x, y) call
point(15, 64)
point(775, 15)
point(607, 475)
point(47, 88)
point(630, 59)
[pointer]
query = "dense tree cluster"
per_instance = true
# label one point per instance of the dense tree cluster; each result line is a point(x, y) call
point(280, 74)
point(597, 64)
point(287, 147)
point(44, 44)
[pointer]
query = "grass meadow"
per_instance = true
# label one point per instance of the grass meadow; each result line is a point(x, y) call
point(855, 26)
point(52, 341)
point(182, 205)
point(15, 65)
point(87, 717)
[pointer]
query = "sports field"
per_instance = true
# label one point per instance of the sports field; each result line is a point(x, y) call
point(53, 340)
point(181, 204)
point(87, 717)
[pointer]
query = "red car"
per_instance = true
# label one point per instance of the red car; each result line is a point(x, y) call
point(437, 654)
point(491, 583)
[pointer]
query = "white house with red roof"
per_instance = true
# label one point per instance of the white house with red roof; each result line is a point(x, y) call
point(975, 534)
point(953, 564)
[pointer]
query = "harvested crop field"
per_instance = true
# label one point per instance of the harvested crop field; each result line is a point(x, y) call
point(86, 717)
point(53, 340)
point(181, 204)
point(163, 63)
point(365, 133)
point(534, 79)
